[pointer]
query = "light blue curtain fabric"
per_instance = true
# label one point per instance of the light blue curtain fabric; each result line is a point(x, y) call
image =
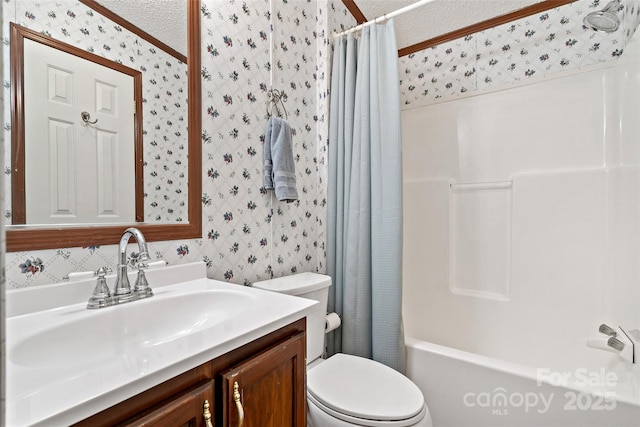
point(364, 244)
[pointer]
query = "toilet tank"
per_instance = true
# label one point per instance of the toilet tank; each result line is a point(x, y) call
point(311, 286)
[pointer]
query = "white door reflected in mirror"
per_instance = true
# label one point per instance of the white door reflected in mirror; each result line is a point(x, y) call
point(89, 167)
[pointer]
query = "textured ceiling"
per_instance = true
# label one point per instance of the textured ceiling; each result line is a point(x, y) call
point(166, 20)
point(439, 16)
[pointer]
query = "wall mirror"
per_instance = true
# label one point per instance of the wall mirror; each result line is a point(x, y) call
point(183, 175)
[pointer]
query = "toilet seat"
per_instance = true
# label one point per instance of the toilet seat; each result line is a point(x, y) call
point(365, 392)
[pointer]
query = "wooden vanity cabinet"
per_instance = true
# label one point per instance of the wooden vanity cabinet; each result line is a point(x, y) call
point(271, 377)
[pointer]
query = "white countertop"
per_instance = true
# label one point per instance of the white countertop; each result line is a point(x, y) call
point(46, 388)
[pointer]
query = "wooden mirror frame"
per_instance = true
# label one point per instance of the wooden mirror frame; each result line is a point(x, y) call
point(25, 237)
point(18, 138)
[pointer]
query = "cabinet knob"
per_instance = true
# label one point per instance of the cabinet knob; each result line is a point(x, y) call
point(207, 414)
point(236, 398)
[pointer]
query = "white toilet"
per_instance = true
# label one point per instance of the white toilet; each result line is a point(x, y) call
point(346, 390)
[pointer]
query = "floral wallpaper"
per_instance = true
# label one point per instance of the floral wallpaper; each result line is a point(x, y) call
point(248, 48)
point(164, 94)
point(530, 48)
point(254, 236)
point(252, 46)
point(631, 18)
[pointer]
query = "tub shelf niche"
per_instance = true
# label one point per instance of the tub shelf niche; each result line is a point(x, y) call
point(480, 237)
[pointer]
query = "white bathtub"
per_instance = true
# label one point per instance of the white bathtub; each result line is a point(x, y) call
point(465, 389)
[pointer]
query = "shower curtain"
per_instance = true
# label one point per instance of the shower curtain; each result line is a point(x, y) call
point(365, 197)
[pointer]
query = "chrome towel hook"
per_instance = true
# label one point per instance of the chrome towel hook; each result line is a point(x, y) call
point(275, 100)
point(86, 117)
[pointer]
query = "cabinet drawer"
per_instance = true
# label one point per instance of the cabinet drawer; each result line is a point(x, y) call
point(186, 410)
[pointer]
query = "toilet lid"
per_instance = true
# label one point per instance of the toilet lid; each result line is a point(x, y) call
point(364, 389)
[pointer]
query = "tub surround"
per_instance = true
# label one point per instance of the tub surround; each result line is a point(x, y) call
point(564, 246)
point(52, 386)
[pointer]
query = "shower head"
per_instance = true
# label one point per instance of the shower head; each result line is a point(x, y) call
point(604, 20)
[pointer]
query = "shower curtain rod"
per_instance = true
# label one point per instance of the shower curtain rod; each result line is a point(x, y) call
point(384, 17)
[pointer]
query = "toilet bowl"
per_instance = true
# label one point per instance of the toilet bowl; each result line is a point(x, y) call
point(346, 390)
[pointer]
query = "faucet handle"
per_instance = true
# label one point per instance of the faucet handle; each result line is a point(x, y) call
point(135, 259)
point(101, 295)
point(103, 271)
point(615, 343)
point(607, 330)
point(141, 287)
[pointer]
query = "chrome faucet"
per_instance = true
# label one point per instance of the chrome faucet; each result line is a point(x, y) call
point(122, 291)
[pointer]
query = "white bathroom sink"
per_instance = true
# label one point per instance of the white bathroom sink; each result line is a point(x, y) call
point(66, 362)
point(81, 336)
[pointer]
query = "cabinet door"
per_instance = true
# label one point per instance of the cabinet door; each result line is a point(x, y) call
point(186, 410)
point(269, 388)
